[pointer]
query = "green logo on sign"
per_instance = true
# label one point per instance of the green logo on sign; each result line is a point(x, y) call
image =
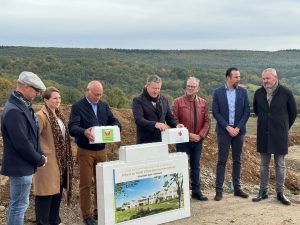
point(107, 135)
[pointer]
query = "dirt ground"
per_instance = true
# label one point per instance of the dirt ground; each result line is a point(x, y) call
point(231, 210)
point(234, 210)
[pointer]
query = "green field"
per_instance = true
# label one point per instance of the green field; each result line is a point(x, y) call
point(251, 125)
point(146, 210)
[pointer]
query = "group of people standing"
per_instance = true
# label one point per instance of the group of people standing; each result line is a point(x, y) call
point(37, 146)
point(37, 149)
point(276, 110)
point(273, 104)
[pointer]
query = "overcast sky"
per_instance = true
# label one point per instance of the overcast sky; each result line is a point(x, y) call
point(152, 24)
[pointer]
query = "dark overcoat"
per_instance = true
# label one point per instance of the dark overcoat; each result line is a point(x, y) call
point(146, 116)
point(22, 153)
point(274, 121)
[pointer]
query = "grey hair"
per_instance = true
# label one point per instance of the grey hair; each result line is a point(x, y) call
point(271, 70)
point(153, 78)
point(194, 79)
point(91, 83)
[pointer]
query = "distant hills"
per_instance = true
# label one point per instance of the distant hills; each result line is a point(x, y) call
point(168, 58)
point(124, 72)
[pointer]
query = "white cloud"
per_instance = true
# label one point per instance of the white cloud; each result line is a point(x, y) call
point(165, 24)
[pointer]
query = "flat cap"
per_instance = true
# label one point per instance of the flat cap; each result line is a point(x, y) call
point(32, 80)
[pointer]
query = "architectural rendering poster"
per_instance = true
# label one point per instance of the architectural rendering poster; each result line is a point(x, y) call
point(147, 190)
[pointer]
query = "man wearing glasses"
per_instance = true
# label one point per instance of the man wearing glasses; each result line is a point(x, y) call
point(22, 153)
point(192, 112)
point(86, 113)
point(231, 110)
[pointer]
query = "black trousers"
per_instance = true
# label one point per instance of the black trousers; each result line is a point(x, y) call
point(47, 209)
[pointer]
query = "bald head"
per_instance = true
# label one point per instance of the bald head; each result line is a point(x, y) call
point(94, 91)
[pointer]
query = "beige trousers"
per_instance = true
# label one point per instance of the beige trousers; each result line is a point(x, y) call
point(88, 160)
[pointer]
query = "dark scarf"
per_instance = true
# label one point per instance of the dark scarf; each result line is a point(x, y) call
point(21, 97)
point(27, 103)
point(158, 107)
point(62, 149)
point(146, 94)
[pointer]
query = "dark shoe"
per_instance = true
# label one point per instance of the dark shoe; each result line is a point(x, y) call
point(218, 196)
point(284, 200)
point(199, 196)
point(89, 221)
point(260, 196)
point(95, 216)
point(240, 193)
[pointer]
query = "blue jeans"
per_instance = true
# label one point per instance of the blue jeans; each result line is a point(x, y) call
point(193, 149)
point(19, 199)
point(224, 143)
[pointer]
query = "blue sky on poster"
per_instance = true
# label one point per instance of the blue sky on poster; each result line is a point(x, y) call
point(156, 24)
point(144, 187)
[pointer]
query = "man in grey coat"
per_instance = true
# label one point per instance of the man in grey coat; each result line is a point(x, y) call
point(275, 107)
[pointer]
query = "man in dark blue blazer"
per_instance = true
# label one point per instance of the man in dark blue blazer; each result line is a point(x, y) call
point(22, 153)
point(231, 109)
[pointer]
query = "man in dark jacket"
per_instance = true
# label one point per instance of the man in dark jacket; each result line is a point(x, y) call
point(231, 109)
point(152, 113)
point(275, 107)
point(85, 114)
point(22, 152)
point(192, 112)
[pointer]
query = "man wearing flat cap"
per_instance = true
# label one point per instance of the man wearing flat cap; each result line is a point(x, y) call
point(22, 152)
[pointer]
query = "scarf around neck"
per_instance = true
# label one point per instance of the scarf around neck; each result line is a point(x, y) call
point(21, 97)
point(27, 103)
point(270, 92)
point(152, 99)
point(62, 149)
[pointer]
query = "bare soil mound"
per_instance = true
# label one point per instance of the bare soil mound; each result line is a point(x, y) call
point(250, 172)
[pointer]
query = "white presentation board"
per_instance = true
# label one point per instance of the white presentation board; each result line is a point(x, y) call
point(143, 192)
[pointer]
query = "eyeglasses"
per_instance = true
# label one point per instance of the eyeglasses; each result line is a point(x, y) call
point(36, 89)
point(97, 95)
point(191, 86)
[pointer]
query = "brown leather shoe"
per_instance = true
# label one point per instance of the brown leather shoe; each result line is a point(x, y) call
point(240, 193)
point(218, 196)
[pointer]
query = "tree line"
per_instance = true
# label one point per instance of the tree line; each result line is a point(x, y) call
point(124, 72)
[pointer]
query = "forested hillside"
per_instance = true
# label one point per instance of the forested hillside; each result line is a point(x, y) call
point(124, 72)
